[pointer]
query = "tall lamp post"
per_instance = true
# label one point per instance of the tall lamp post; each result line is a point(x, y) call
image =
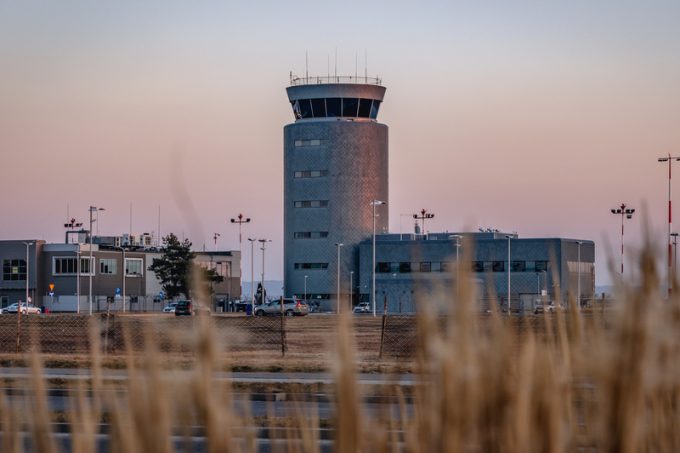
point(669, 159)
point(422, 217)
point(351, 290)
point(337, 302)
point(306, 288)
point(240, 221)
point(508, 237)
point(264, 246)
point(623, 211)
point(122, 249)
point(675, 255)
point(374, 203)
point(578, 281)
point(252, 274)
point(93, 209)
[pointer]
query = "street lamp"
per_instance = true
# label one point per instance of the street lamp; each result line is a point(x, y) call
point(351, 290)
point(628, 213)
point(215, 236)
point(669, 159)
point(252, 274)
point(578, 282)
point(423, 215)
point(240, 221)
point(122, 249)
point(508, 237)
point(457, 237)
point(27, 244)
point(264, 246)
point(337, 302)
point(374, 203)
point(306, 288)
point(675, 255)
point(93, 209)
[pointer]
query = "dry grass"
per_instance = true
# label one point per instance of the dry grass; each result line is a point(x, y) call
point(582, 383)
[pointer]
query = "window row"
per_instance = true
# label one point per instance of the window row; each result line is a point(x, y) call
point(13, 270)
point(134, 267)
point(336, 107)
point(310, 234)
point(311, 265)
point(312, 142)
point(405, 267)
point(310, 174)
point(311, 204)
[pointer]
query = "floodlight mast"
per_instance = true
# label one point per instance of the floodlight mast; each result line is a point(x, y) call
point(670, 160)
point(628, 213)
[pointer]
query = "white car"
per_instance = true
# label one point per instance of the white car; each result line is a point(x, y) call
point(25, 310)
point(362, 307)
point(170, 308)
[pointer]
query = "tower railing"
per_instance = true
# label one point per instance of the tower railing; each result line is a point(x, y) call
point(321, 80)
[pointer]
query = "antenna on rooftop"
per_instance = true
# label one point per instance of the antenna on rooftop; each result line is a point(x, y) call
point(365, 66)
point(306, 67)
point(356, 64)
point(336, 63)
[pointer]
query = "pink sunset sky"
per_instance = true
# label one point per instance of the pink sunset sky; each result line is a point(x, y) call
point(534, 117)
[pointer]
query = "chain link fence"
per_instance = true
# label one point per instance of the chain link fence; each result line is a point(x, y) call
point(386, 336)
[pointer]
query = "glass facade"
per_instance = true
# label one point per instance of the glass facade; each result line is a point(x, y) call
point(335, 107)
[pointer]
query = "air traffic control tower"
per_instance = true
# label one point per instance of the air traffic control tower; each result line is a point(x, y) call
point(335, 165)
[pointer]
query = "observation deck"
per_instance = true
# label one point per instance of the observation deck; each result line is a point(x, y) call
point(335, 97)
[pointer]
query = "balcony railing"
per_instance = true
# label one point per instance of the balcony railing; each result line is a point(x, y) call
point(321, 80)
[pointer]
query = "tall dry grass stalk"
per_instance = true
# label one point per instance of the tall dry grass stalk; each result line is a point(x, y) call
point(596, 381)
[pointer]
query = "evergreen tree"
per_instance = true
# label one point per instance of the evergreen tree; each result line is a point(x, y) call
point(173, 269)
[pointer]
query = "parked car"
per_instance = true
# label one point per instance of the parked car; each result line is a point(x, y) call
point(189, 308)
point(25, 309)
point(362, 307)
point(291, 307)
point(170, 308)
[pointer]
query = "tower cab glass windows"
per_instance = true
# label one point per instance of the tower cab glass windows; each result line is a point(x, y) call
point(336, 107)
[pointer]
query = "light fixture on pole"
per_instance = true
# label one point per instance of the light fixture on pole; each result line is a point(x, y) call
point(670, 160)
point(27, 244)
point(422, 217)
point(351, 290)
point(124, 272)
point(457, 237)
point(578, 282)
point(374, 203)
point(508, 237)
point(240, 221)
point(264, 246)
point(252, 275)
point(337, 294)
point(215, 236)
point(675, 256)
point(90, 267)
point(623, 211)
point(306, 288)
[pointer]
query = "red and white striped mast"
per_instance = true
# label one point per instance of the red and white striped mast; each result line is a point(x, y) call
point(628, 213)
point(669, 159)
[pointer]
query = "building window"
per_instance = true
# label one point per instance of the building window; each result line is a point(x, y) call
point(319, 108)
point(425, 266)
point(311, 204)
point(333, 107)
point(364, 108)
point(498, 266)
point(310, 174)
point(310, 234)
point(134, 267)
point(62, 265)
point(436, 266)
point(374, 109)
point(107, 266)
point(478, 266)
point(519, 266)
point(541, 266)
point(311, 265)
point(13, 270)
point(312, 142)
point(350, 107)
point(404, 268)
point(382, 268)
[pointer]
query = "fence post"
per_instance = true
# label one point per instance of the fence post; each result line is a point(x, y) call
point(382, 330)
point(283, 329)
